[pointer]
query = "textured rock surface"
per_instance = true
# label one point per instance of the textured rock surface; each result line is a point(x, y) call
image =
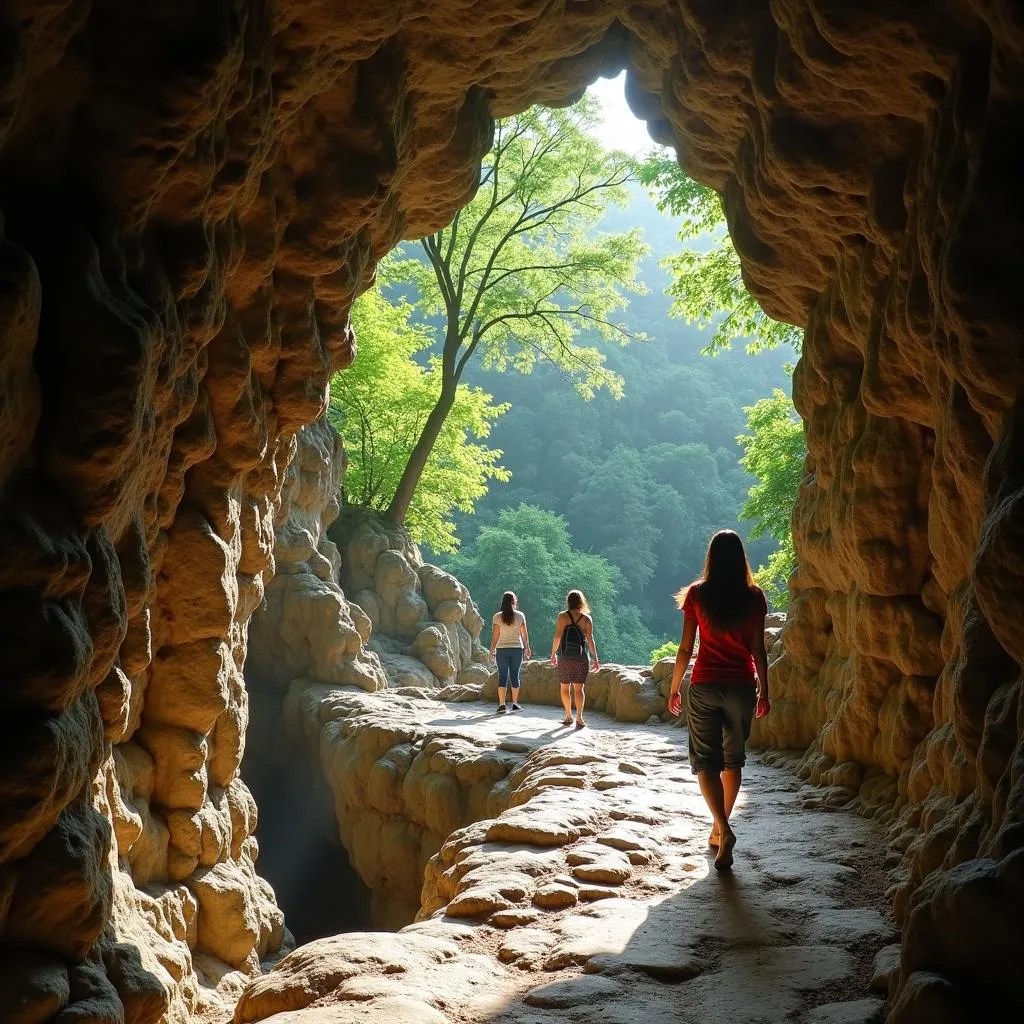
point(627, 694)
point(514, 927)
point(426, 628)
point(401, 783)
point(191, 196)
point(305, 626)
point(308, 632)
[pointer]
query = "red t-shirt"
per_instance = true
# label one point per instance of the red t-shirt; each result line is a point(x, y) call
point(722, 656)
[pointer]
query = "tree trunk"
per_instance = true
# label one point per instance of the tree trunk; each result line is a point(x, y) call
point(420, 454)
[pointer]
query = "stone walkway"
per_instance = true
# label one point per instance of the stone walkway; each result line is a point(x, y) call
point(592, 899)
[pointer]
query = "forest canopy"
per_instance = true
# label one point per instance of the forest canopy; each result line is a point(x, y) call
point(645, 480)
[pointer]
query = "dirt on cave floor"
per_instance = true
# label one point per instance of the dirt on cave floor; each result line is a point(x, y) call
point(637, 926)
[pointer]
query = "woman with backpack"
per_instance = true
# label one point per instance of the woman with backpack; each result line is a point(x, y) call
point(729, 684)
point(509, 643)
point(574, 635)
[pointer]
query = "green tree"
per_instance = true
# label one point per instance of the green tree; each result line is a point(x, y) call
point(528, 550)
point(520, 271)
point(679, 416)
point(707, 283)
point(380, 405)
point(774, 450)
point(666, 650)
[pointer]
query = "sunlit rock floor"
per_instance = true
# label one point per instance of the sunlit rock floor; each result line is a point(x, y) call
point(592, 897)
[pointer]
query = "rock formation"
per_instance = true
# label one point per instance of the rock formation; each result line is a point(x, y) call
point(575, 877)
point(305, 626)
point(426, 628)
point(191, 197)
point(401, 784)
point(308, 632)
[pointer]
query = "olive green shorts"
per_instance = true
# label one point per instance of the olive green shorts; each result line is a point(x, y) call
point(718, 717)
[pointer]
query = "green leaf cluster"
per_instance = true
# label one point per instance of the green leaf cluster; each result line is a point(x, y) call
point(523, 269)
point(666, 650)
point(774, 449)
point(379, 406)
point(706, 279)
point(528, 550)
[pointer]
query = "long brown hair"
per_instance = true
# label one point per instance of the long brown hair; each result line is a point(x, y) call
point(508, 607)
point(726, 588)
point(576, 602)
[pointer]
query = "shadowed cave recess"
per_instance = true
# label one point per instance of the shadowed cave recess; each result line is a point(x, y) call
point(191, 195)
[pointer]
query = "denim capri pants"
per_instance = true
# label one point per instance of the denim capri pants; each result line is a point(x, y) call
point(510, 661)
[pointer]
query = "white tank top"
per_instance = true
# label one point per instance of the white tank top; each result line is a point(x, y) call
point(508, 634)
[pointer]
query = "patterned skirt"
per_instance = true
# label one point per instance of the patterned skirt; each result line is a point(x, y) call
point(573, 670)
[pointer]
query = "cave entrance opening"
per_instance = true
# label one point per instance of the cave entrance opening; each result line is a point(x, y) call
point(664, 440)
point(299, 825)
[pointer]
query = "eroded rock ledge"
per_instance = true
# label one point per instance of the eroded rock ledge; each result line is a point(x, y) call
point(575, 876)
point(403, 782)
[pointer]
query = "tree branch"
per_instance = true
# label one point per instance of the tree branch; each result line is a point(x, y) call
point(470, 349)
point(444, 281)
point(501, 147)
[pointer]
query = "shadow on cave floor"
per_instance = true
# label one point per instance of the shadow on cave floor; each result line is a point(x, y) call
point(723, 949)
point(794, 927)
point(300, 854)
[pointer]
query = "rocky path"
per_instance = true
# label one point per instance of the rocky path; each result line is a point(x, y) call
point(592, 897)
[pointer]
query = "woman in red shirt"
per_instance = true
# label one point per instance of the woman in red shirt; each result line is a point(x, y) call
point(729, 684)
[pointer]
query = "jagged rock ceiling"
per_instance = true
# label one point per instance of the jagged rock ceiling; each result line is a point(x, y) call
point(191, 195)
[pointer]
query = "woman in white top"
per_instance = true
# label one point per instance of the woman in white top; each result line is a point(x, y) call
point(509, 640)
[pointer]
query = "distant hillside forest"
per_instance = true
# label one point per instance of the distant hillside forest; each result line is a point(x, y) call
point(642, 481)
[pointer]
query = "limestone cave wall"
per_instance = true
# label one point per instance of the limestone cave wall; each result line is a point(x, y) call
point(192, 193)
point(415, 630)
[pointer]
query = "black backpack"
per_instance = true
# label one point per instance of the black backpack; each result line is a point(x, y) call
point(573, 643)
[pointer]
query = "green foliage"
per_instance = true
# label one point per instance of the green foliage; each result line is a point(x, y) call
point(666, 650)
point(773, 577)
point(379, 407)
point(707, 283)
point(522, 270)
point(528, 550)
point(774, 449)
point(628, 639)
point(679, 195)
point(643, 481)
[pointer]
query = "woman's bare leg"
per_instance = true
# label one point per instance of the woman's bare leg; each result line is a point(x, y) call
point(731, 780)
point(713, 791)
point(579, 692)
point(714, 796)
point(566, 702)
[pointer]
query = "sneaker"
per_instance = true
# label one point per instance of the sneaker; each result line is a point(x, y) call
point(501, 709)
point(516, 707)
